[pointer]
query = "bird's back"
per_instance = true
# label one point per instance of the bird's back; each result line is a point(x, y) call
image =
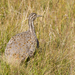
point(21, 46)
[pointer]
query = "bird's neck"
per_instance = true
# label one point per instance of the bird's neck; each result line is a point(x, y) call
point(31, 27)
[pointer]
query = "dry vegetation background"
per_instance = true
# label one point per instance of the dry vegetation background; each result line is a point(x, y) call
point(55, 31)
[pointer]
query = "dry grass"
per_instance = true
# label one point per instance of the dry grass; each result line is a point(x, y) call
point(55, 31)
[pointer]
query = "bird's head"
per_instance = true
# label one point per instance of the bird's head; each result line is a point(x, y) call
point(33, 16)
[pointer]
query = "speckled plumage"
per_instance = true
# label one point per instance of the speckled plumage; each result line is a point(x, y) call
point(22, 45)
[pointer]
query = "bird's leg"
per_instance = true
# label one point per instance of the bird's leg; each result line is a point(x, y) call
point(37, 43)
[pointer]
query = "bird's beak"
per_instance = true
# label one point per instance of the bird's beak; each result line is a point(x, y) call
point(39, 16)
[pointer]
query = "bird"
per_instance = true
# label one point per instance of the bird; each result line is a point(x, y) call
point(23, 45)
